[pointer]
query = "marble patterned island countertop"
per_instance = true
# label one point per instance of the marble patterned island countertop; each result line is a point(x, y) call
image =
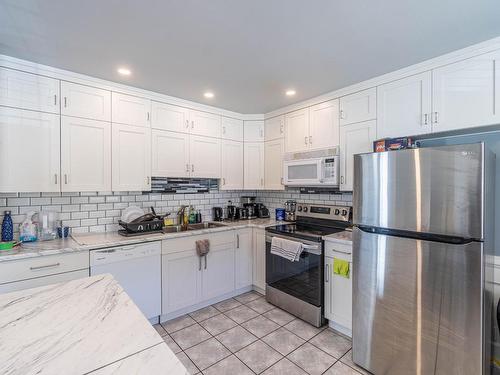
point(84, 326)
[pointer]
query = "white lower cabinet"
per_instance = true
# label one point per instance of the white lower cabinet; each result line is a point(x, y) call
point(187, 279)
point(244, 258)
point(354, 139)
point(43, 281)
point(131, 158)
point(338, 289)
point(218, 273)
point(259, 258)
point(29, 151)
point(85, 155)
point(181, 280)
point(232, 165)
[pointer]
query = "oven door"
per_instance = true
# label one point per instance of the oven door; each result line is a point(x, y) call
point(304, 172)
point(302, 279)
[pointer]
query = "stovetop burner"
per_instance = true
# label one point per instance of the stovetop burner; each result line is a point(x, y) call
point(311, 232)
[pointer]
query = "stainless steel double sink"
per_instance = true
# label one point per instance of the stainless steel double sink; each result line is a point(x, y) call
point(179, 228)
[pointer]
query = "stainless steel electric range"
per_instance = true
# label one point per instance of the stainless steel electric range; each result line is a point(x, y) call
point(297, 286)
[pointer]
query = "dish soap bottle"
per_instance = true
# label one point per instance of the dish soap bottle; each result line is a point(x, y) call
point(192, 215)
point(7, 227)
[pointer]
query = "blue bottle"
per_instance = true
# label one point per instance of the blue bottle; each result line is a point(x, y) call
point(7, 227)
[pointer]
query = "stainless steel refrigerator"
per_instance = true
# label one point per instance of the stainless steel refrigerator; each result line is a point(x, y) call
point(424, 223)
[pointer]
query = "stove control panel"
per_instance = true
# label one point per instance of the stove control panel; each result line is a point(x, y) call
point(342, 213)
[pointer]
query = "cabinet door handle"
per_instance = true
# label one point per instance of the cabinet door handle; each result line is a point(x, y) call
point(223, 130)
point(205, 261)
point(55, 178)
point(436, 117)
point(342, 114)
point(65, 179)
point(148, 117)
point(147, 180)
point(305, 140)
point(426, 119)
point(342, 180)
point(281, 129)
point(187, 124)
point(310, 139)
point(282, 183)
point(192, 124)
point(55, 99)
point(187, 167)
point(261, 182)
point(45, 266)
point(237, 241)
point(65, 102)
point(199, 264)
point(327, 272)
point(192, 167)
point(223, 180)
point(261, 133)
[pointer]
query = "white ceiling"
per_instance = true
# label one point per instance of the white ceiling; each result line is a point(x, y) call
point(247, 51)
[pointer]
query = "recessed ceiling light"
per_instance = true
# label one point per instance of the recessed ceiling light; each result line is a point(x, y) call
point(290, 92)
point(208, 95)
point(124, 71)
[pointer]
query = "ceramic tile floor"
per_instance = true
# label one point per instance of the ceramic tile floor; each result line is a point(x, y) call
point(246, 335)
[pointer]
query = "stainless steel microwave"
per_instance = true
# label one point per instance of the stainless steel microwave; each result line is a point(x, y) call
point(312, 168)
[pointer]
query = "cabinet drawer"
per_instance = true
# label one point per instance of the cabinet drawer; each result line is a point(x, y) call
point(338, 250)
point(176, 245)
point(30, 268)
point(43, 281)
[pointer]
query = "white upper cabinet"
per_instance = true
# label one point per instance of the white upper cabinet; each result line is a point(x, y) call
point(354, 139)
point(297, 130)
point(232, 165)
point(275, 128)
point(169, 117)
point(232, 129)
point(273, 176)
point(28, 91)
point(131, 110)
point(85, 155)
point(254, 131)
point(254, 165)
point(131, 158)
point(170, 154)
point(404, 106)
point(85, 101)
point(205, 156)
point(204, 123)
point(464, 93)
point(324, 125)
point(29, 151)
point(357, 107)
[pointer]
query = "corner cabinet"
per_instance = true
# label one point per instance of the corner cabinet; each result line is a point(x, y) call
point(85, 155)
point(232, 129)
point(254, 165)
point(273, 166)
point(274, 128)
point(354, 139)
point(232, 165)
point(29, 151)
point(131, 158)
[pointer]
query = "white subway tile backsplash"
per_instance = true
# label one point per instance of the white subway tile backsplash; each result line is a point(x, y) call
point(97, 212)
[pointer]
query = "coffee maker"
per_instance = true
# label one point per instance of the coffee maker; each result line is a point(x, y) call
point(231, 211)
point(248, 202)
point(290, 207)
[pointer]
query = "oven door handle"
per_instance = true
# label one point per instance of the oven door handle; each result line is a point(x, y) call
point(313, 249)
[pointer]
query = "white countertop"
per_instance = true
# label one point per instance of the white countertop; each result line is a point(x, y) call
point(79, 327)
point(90, 241)
point(344, 237)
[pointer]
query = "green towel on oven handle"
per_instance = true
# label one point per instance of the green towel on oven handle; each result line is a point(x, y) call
point(341, 267)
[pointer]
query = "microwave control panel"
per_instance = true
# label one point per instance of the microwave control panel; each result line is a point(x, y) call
point(330, 169)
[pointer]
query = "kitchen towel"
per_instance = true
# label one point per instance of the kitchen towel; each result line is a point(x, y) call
point(341, 267)
point(202, 247)
point(287, 249)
